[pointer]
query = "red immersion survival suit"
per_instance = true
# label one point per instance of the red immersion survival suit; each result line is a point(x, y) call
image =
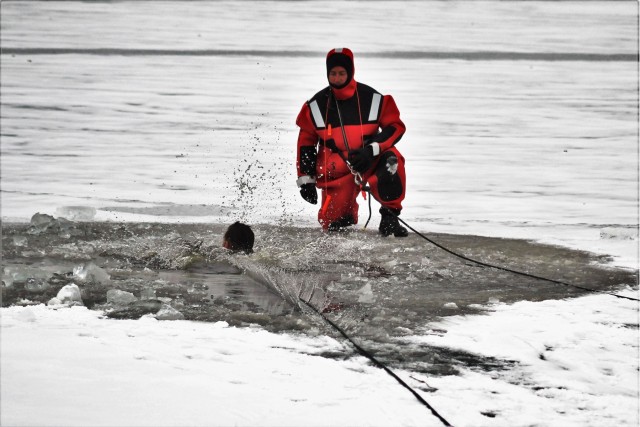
point(366, 118)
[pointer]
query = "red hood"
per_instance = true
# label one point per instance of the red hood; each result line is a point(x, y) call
point(342, 57)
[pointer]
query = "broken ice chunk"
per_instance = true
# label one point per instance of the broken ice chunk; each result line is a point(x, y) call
point(91, 273)
point(148, 293)
point(365, 294)
point(118, 297)
point(70, 294)
point(20, 240)
point(169, 313)
point(38, 219)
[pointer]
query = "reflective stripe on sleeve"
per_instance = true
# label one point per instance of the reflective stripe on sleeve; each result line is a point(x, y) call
point(376, 148)
point(317, 116)
point(375, 106)
point(305, 179)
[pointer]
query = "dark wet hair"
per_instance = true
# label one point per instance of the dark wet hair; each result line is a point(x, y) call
point(239, 237)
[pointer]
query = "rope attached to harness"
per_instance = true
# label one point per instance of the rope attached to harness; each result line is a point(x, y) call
point(357, 176)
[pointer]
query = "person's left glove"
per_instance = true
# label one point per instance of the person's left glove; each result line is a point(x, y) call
point(361, 159)
point(309, 193)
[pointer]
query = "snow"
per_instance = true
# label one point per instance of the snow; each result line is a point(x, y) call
point(576, 363)
point(151, 373)
point(542, 150)
point(579, 358)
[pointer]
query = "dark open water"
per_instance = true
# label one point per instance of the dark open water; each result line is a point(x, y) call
point(378, 290)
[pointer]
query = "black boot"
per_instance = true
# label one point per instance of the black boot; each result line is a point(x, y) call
point(342, 223)
point(389, 223)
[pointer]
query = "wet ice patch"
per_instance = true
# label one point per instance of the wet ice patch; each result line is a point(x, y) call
point(30, 276)
point(76, 213)
point(172, 210)
point(619, 233)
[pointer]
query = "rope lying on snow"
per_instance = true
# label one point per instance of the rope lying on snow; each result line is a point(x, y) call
point(378, 363)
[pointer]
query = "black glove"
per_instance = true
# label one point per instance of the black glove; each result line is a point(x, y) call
point(361, 159)
point(309, 193)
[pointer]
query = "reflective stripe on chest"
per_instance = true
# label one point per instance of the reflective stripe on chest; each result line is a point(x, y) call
point(316, 114)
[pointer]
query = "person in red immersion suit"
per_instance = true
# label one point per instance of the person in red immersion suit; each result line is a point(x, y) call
point(349, 130)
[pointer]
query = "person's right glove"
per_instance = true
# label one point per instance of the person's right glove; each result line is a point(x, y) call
point(309, 193)
point(361, 159)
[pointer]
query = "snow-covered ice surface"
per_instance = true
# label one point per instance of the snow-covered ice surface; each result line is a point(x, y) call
point(522, 122)
point(138, 372)
point(574, 363)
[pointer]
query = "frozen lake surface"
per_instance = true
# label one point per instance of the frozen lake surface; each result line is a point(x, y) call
point(153, 125)
point(543, 147)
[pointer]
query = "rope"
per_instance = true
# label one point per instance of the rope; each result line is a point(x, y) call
point(361, 350)
point(497, 267)
point(368, 355)
point(484, 264)
point(357, 176)
point(378, 363)
point(368, 190)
